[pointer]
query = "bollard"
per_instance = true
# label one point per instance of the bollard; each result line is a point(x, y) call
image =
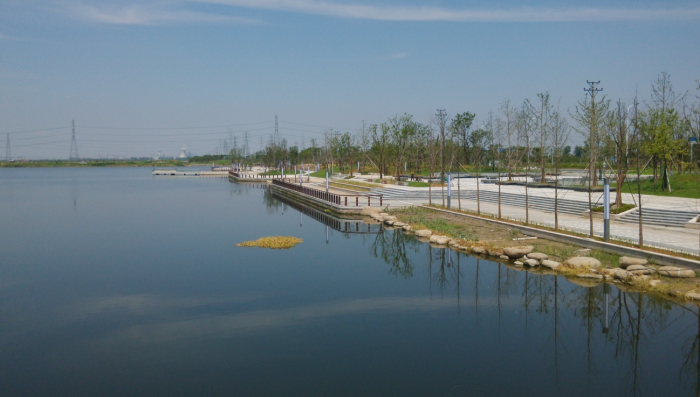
point(357, 201)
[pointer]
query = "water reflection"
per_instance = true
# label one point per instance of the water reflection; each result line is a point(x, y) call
point(609, 322)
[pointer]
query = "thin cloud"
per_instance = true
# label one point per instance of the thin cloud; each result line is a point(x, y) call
point(419, 13)
point(146, 15)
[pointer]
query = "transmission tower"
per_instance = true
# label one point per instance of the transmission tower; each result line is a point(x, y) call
point(235, 142)
point(73, 147)
point(8, 152)
point(277, 131)
point(246, 148)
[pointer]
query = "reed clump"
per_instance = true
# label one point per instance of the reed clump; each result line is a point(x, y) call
point(277, 242)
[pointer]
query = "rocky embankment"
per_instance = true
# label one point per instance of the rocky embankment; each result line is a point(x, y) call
point(582, 269)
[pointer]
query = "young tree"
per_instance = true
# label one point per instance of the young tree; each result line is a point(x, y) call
point(459, 127)
point(380, 145)
point(591, 117)
point(559, 136)
point(659, 128)
point(433, 152)
point(509, 127)
point(478, 140)
point(403, 130)
point(525, 127)
point(540, 113)
point(619, 134)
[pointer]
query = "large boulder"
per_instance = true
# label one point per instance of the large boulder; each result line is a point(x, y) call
point(518, 252)
point(495, 253)
point(504, 257)
point(550, 264)
point(638, 269)
point(478, 250)
point(626, 261)
point(537, 255)
point(424, 233)
point(578, 262)
point(532, 262)
point(676, 272)
point(442, 240)
point(406, 228)
point(621, 274)
point(399, 224)
point(434, 237)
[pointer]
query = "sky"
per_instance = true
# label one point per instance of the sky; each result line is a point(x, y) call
point(156, 76)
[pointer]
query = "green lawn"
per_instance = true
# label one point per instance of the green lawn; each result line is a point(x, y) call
point(682, 185)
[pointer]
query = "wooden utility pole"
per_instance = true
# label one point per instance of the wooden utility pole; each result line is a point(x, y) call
point(441, 120)
point(592, 142)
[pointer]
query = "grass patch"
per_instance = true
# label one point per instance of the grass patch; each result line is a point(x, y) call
point(347, 186)
point(614, 209)
point(682, 185)
point(272, 242)
point(358, 183)
point(418, 219)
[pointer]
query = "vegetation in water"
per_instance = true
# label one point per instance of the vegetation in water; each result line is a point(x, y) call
point(279, 242)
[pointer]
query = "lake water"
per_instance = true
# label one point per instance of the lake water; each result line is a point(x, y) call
point(117, 283)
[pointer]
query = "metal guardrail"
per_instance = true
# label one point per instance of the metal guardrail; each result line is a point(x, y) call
point(337, 199)
point(255, 176)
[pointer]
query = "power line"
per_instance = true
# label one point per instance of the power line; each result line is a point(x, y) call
point(174, 128)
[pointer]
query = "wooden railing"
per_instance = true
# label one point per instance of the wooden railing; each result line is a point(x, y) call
point(333, 198)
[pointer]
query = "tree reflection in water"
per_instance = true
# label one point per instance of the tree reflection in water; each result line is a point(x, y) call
point(612, 323)
point(393, 248)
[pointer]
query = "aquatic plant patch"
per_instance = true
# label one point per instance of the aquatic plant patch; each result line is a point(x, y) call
point(278, 242)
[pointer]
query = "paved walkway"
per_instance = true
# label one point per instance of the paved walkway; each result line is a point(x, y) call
point(675, 238)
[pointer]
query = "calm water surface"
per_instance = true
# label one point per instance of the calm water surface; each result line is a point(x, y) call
point(116, 283)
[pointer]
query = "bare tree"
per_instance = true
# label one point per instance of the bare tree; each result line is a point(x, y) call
point(591, 117)
point(559, 135)
point(509, 123)
point(433, 153)
point(524, 132)
point(540, 113)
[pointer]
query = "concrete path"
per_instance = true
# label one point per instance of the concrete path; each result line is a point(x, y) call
point(675, 238)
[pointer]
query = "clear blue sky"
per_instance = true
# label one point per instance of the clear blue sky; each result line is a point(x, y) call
point(225, 63)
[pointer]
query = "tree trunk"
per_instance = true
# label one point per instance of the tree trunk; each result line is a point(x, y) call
point(478, 198)
point(499, 190)
point(459, 194)
point(430, 190)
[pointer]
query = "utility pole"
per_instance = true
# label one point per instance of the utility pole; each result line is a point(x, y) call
point(8, 151)
point(593, 140)
point(73, 146)
point(441, 120)
point(592, 90)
